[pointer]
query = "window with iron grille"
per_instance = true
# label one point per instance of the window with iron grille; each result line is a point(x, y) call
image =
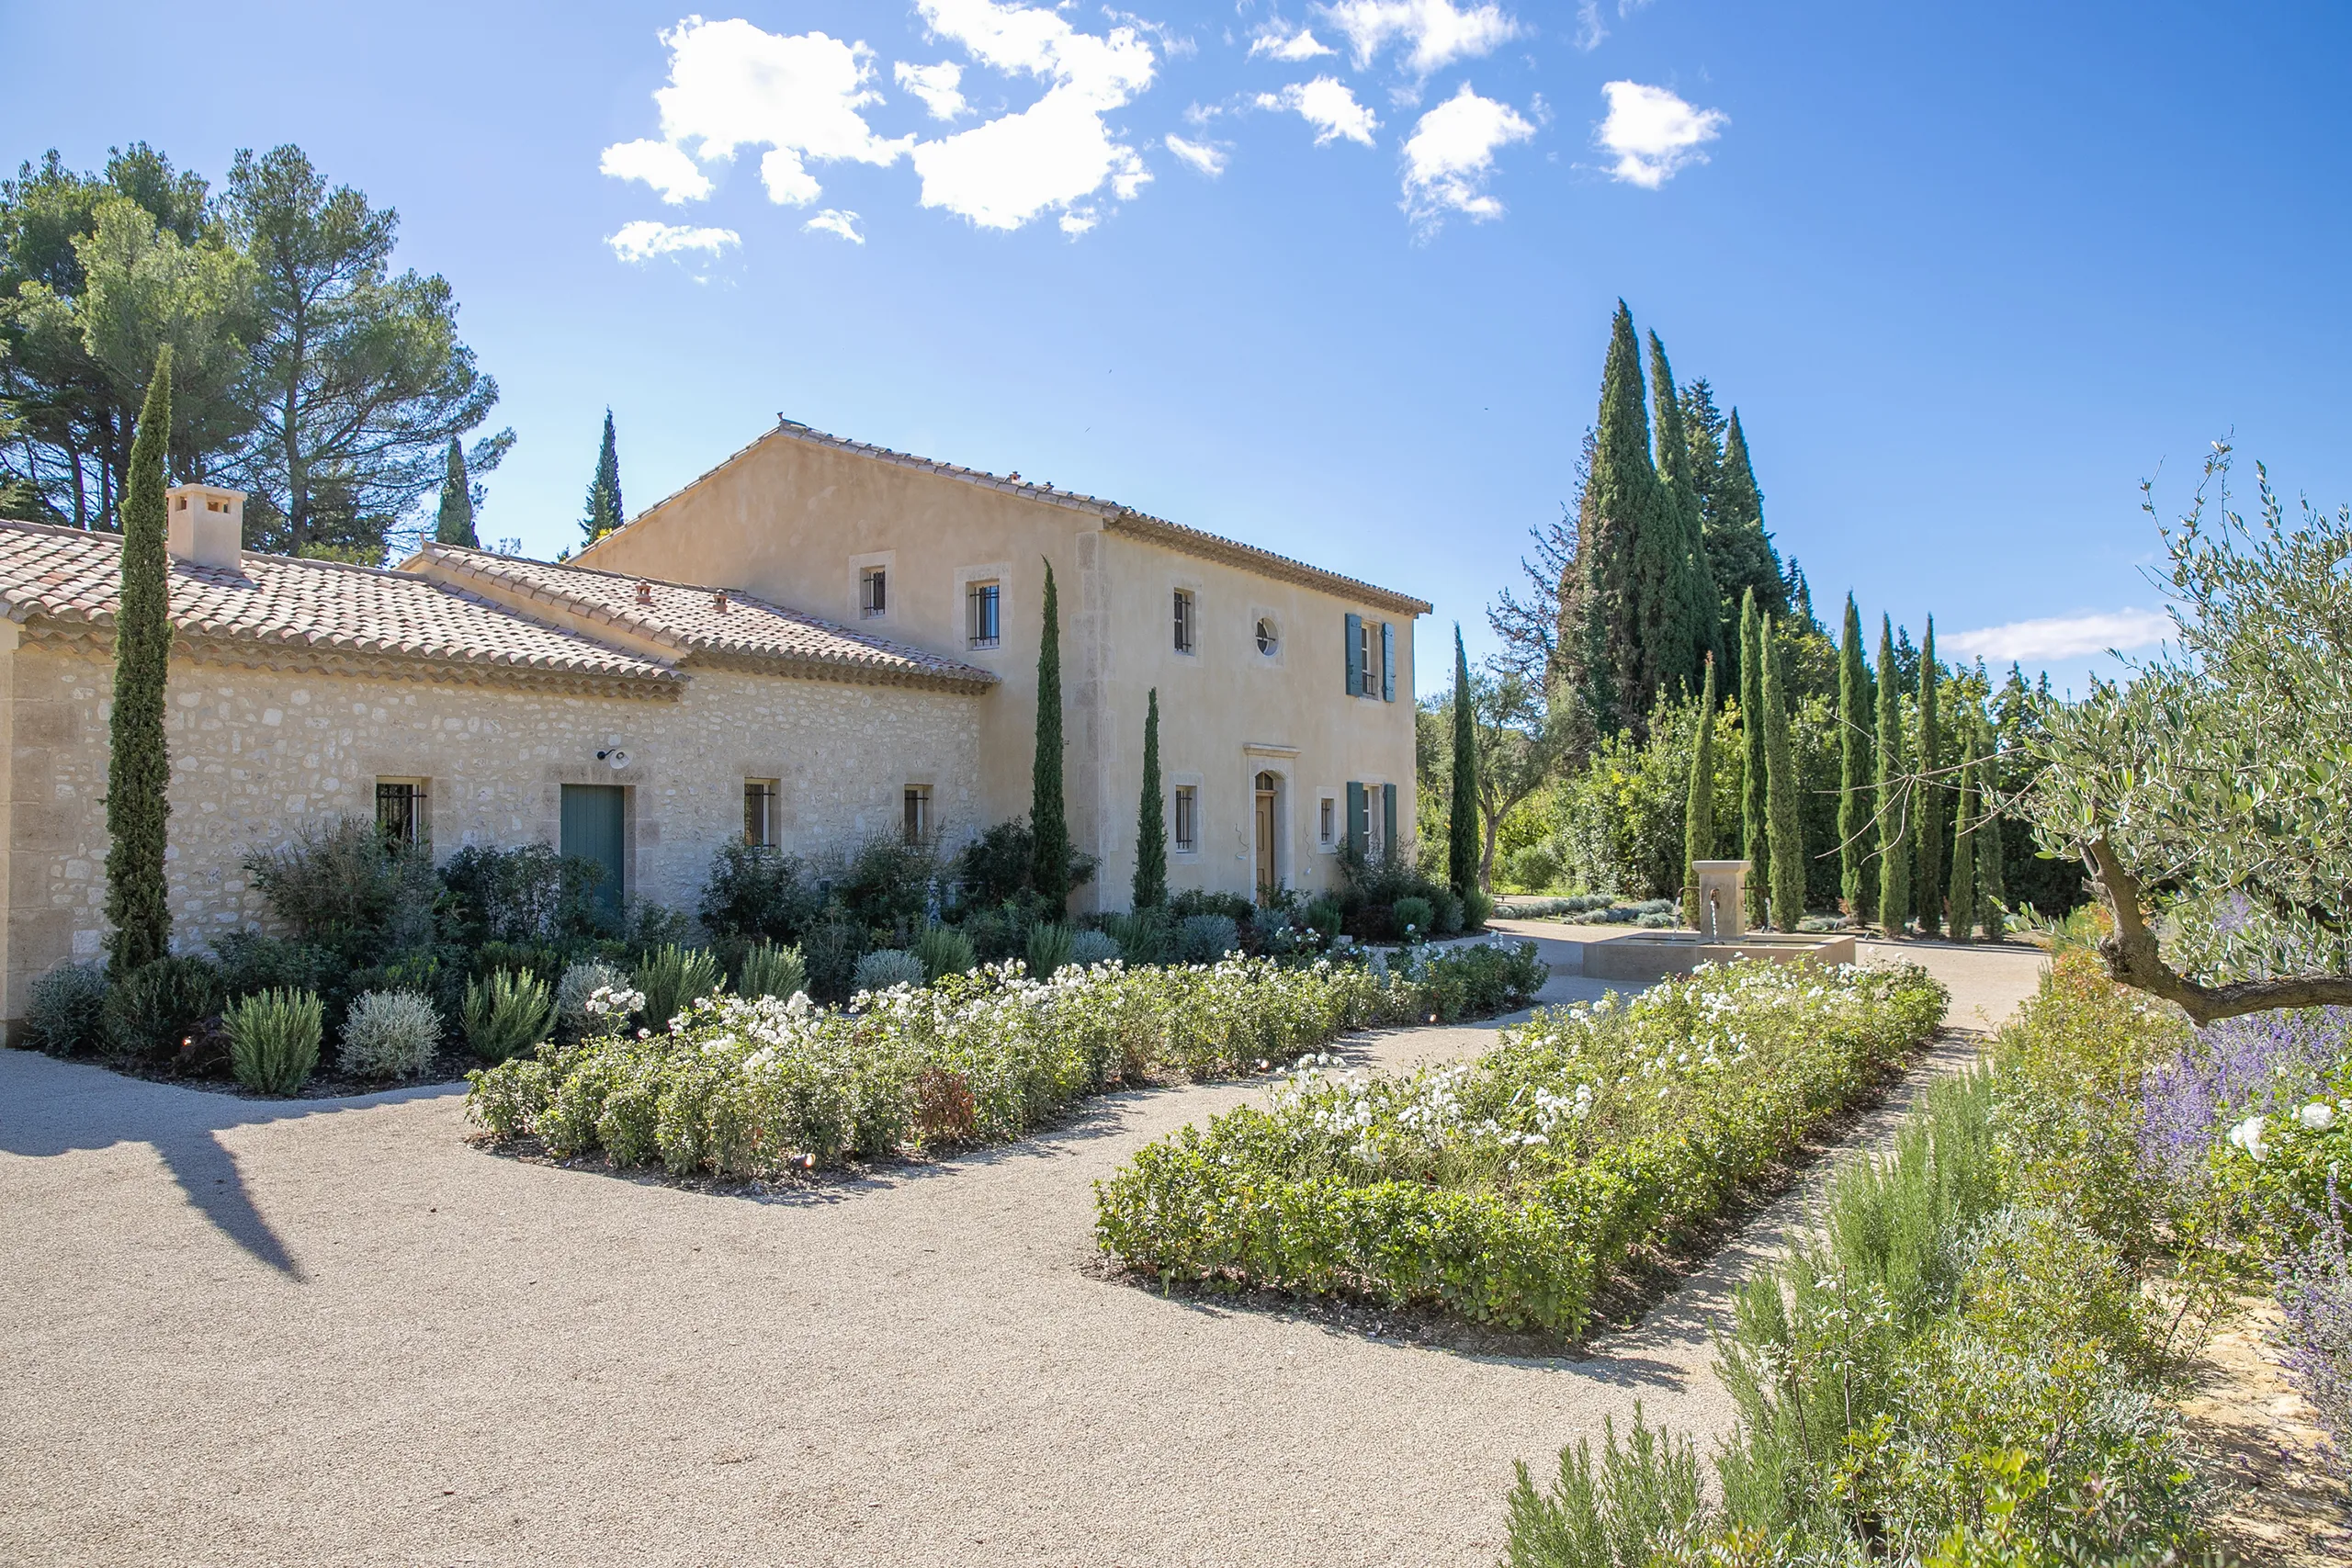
point(873, 592)
point(1188, 819)
point(399, 810)
point(980, 601)
point(916, 816)
point(759, 812)
point(1185, 621)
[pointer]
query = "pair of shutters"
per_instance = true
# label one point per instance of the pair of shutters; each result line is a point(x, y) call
point(1360, 816)
point(1358, 677)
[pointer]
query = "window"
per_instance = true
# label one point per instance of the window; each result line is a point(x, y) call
point(759, 812)
point(1270, 636)
point(1368, 656)
point(1186, 630)
point(915, 817)
point(1188, 819)
point(981, 601)
point(399, 810)
point(873, 590)
point(1327, 821)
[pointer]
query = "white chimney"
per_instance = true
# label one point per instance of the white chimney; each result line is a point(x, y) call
point(207, 524)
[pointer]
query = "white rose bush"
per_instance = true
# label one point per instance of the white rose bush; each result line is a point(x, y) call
point(1506, 1190)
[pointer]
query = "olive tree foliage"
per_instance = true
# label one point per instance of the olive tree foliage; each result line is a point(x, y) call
point(2211, 794)
point(1522, 741)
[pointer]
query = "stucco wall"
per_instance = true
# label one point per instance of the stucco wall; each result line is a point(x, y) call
point(258, 755)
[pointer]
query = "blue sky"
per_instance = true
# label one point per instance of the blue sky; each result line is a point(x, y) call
point(1968, 273)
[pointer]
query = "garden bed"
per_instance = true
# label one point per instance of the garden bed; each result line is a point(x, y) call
point(1509, 1189)
point(740, 1089)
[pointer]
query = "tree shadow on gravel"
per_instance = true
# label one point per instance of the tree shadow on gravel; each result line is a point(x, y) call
point(55, 1107)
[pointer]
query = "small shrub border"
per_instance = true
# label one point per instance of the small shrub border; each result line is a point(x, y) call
point(762, 1087)
point(1506, 1190)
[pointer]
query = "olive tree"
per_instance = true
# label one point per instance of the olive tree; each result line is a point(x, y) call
point(2210, 796)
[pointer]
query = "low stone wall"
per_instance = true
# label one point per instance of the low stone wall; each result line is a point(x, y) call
point(1651, 955)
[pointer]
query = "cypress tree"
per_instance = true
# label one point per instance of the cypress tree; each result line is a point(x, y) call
point(1754, 837)
point(1692, 615)
point(1699, 804)
point(1462, 813)
point(1625, 575)
point(604, 512)
point(1894, 805)
point(1784, 825)
point(1931, 787)
point(138, 763)
point(1739, 549)
point(1960, 895)
point(1992, 849)
point(1854, 770)
point(1151, 823)
point(1048, 825)
point(455, 525)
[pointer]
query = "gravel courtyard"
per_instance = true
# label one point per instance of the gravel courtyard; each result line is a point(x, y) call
point(331, 1331)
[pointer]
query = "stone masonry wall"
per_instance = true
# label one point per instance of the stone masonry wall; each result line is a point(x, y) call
point(259, 755)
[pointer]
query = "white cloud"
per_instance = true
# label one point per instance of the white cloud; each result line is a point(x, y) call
point(1057, 153)
point(732, 85)
point(1435, 32)
point(644, 240)
point(1591, 28)
point(834, 220)
point(1328, 106)
point(1654, 133)
point(2063, 636)
point(1275, 44)
point(658, 164)
point(1201, 155)
point(1449, 154)
point(939, 86)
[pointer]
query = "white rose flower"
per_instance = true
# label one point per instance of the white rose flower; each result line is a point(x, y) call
point(2316, 1117)
point(2247, 1136)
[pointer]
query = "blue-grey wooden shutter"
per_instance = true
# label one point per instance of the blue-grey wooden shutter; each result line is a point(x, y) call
point(1358, 818)
point(1388, 818)
point(1387, 662)
point(1355, 656)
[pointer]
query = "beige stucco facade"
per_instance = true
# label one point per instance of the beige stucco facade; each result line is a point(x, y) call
point(799, 518)
point(260, 753)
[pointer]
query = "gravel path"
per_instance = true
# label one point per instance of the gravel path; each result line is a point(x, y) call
point(241, 1331)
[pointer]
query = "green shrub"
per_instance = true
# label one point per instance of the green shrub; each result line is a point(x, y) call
point(888, 882)
point(1414, 916)
point(1449, 914)
point(888, 966)
point(65, 1014)
point(1477, 909)
point(149, 1016)
point(345, 887)
point(1089, 948)
point(1645, 1506)
point(943, 950)
point(529, 894)
point(273, 1039)
point(673, 979)
point(250, 962)
point(757, 893)
point(1506, 1189)
point(581, 981)
point(506, 1014)
point(1049, 948)
point(771, 971)
point(1326, 917)
point(389, 1034)
point(1204, 939)
point(1143, 937)
point(831, 949)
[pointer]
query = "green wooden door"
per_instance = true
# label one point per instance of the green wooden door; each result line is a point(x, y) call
point(592, 829)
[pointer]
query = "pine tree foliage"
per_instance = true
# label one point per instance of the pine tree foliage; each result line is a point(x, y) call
point(1854, 728)
point(1784, 825)
point(139, 765)
point(1931, 787)
point(1152, 819)
point(455, 524)
point(1894, 803)
point(1755, 835)
point(1696, 613)
point(1462, 845)
point(1048, 821)
point(1699, 802)
point(1959, 895)
point(604, 513)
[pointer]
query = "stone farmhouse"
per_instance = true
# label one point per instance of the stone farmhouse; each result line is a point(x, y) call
point(815, 643)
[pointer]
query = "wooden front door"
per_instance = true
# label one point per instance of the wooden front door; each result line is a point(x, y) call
point(1266, 883)
point(591, 828)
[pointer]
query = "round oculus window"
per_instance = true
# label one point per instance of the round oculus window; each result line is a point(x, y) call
point(1269, 636)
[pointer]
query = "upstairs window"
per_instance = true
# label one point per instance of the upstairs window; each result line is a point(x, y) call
point(400, 809)
point(980, 603)
point(1187, 628)
point(915, 814)
point(873, 592)
point(1270, 636)
point(759, 813)
point(1188, 819)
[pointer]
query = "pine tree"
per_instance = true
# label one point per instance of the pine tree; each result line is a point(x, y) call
point(604, 513)
point(138, 762)
point(1699, 802)
point(1755, 835)
point(1048, 824)
point(455, 526)
point(1462, 844)
point(1992, 888)
point(1931, 787)
point(1961, 894)
point(1784, 825)
point(1854, 769)
point(1151, 821)
point(1694, 612)
point(1894, 799)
